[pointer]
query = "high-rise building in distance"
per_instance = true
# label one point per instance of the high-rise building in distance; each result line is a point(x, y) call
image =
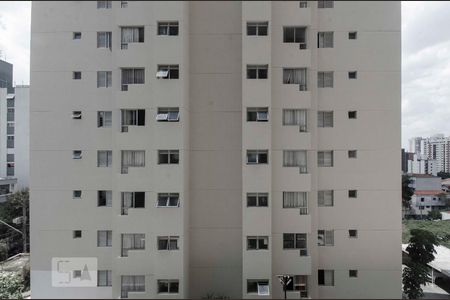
point(207, 147)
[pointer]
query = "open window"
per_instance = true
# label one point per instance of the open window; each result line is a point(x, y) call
point(168, 114)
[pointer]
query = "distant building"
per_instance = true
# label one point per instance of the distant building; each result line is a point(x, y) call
point(434, 150)
point(15, 135)
point(428, 195)
point(6, 76)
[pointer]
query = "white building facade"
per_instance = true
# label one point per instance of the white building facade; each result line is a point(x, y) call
point(434, 151)
point(207, 147)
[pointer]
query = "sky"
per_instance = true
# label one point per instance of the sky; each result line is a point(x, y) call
point(425, 61)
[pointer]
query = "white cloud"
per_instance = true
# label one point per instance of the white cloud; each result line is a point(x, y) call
point(425, 69)
point(15, 21)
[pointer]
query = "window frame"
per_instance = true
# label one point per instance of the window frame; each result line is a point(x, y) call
point(107, 237)
point(107, 40)
point(327, 238)
point(261, 242)
point(168, 197)
point(322, 198)
point(323, 281)
point(167, 25)
point(258, 154)
point(107, 280)
point(325, 79)
point(109, 158)
point(260, 71)
point(325, 39)
point(257, 282)
point(171, 154)
point(107, 198)
point(323, 119)
point(258, 201)
point(168, 72)
point(258, 27)
point(297, 239)
point(164, 114)
point(254, 113)
point(296, 38)
point(104, 119)
point(169, 245)
point(322, 161)
point(168, 283)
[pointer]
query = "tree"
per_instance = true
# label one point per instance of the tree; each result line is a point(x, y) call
point(443, 175)
point(434, 215)
point(421, 252)
point(11, 286)
point(16, 205)
point(407, 191)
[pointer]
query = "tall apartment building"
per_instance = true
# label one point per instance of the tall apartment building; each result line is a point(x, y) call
point(15, 135)
point(6, 76)
point(207, 147)
point(434, 150)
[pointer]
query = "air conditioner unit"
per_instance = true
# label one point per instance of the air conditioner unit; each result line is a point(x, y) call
point(303, 252)
point(302, 46)
point(302, 87)
point(303, 170)
point(302, 128)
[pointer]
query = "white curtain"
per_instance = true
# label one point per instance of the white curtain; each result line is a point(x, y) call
point(133, 76)
point(295, 76)
point(127, 202)
point(328, 277)
point(325, 39)
point(325, 198)
point(130, 35)
point(295, 199)
point(325, 119)
point(103, 39)
point(129, 117)
point(294, 117)
point(104, 158)
point(108, 195)
point(131, 158)
point(325, 158)
point(294, 158)
point(329, 237)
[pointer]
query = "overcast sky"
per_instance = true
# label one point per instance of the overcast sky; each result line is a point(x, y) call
point(426, 61)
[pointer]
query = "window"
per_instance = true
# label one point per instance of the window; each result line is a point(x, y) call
point(325, 198)
point(295, 35)
point(352, 154)
point(168, 243)
point(132, 241)
point(104, 238)
point(104, 198)
point(303, 4)
point(326, 277)
point(76, 36)
point(104, 158)
point(295, 117)
point(76, 75)
point(325, 237)
point(132, 158)
point(131, 283)
point(168, 157)
point(296, 200)
point(104, 39)
point(132, 200)
point(257, 199)
point(132, 117)
point(132, 76)
point(352, 114)
point(168, 28)
point(104, 79)
point(10, 128)
point(76, 273)
point(257, 114)
point(254, 285)
point(104, 278)
point(168, 200)
point(104, 4)
point(352, 233)
point(325, 158)
point(257, 28)
point(295, 158)
point(76, 194)
point(77, 154)
point(352, 193)
point(10, 141)
point(352, 75)
point(166, 286)
point(168, 114)
point(295, 76)
point(104, 119)
point(168, 72)
point(257, 242)
point(352, 35)
point(77, 234)
point(299, 283)
point(257, 71)
point(352, 273)
point(131, 35)
point(257, 157)
point(294, 241)
point(325, 119)
point(325, 4)
point(325, 79)
point(123, 4)
point(10, 157)
point(325, 39)
point(76, 115)
point(10, 103)
point(10, 115)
